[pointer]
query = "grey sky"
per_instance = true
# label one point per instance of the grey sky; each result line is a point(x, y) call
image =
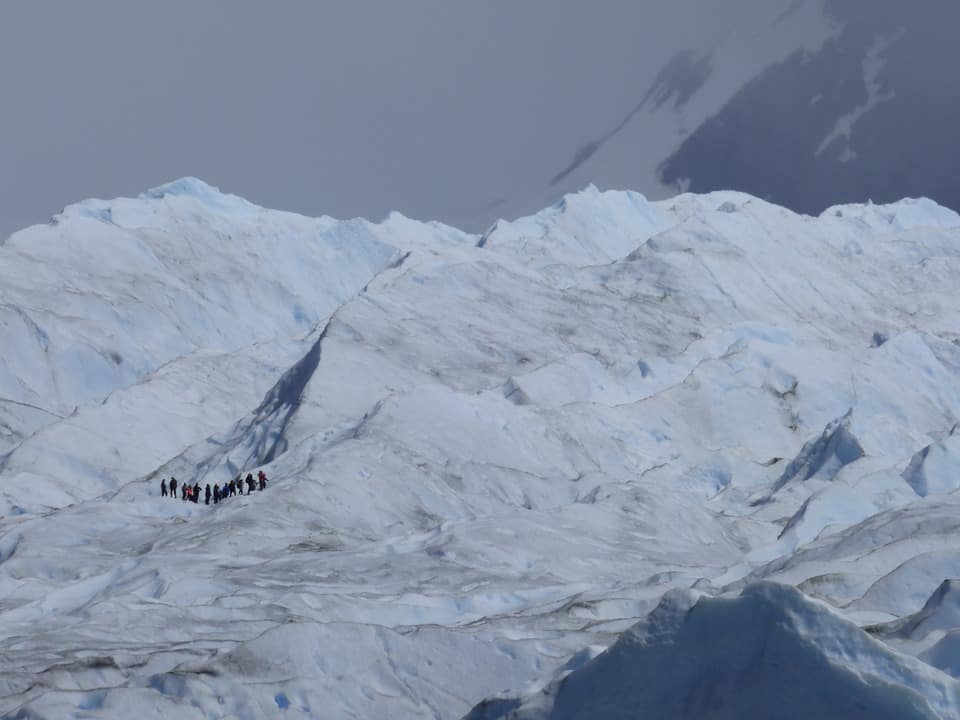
point(435, 108)
point(459, 110)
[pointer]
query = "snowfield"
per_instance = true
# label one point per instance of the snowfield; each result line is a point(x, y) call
point(697, 458)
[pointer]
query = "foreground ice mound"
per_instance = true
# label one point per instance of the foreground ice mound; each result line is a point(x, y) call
point(771, 652)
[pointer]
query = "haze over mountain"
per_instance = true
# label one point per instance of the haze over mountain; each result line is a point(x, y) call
point(709, 435)
point(469, 112)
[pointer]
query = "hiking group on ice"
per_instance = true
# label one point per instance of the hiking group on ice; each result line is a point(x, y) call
point(192, 492)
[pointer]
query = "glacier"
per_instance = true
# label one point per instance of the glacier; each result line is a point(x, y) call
point(517, 474)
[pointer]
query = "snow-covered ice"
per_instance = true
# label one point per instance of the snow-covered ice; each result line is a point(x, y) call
point(715, 436)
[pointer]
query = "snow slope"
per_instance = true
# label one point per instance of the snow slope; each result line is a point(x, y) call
point(112, 307)
point(490, 456)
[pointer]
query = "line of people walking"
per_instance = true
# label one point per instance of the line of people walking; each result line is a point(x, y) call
point(191, 493)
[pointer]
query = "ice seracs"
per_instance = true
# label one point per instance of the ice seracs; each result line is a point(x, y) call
point(486, 453)
point(769, 650)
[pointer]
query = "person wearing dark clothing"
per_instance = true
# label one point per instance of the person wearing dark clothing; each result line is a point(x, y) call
point(163, 487)
point(250, 483)
point(183, 491)
point(173, 488)
point(206, 498)
point(262, 477)
point(196, 493)
point(216, 493)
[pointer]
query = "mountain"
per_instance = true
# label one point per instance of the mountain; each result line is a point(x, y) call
point(855, 98)
point(489, 457)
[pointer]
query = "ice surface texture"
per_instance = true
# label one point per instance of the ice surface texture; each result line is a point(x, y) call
point(490, 456)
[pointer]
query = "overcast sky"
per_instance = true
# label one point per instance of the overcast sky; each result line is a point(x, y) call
point(348, 108)
point(433, 108)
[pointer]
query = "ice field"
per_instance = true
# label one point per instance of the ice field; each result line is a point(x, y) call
point(715, 437)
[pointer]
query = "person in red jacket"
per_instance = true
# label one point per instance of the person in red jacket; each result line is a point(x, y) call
point(262, 477)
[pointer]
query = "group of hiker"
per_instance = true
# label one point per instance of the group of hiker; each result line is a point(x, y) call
point(191, 493)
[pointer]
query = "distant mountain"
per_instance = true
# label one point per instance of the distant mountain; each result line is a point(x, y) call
point(872, 115)
point(864, 110)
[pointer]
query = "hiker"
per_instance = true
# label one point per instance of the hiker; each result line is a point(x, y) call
point(192, 492)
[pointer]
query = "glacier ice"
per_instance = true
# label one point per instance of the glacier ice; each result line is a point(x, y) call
point(490, 457)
